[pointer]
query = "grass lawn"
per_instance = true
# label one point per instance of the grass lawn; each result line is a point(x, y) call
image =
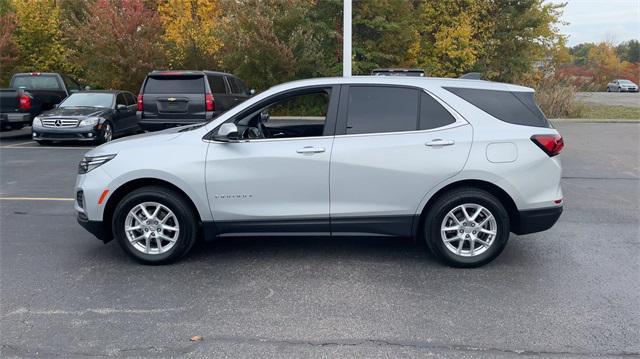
point(589, 111)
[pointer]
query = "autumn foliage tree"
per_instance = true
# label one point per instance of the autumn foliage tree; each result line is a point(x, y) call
point(8, 49)
point(191, 30)
point(38, 36)
point(120, 42)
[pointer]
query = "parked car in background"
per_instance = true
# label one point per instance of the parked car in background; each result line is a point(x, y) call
point(622, 85)
point(31, 93)
point(398, 72)
point(456, 163)
point(96, 116)
point(173, 98)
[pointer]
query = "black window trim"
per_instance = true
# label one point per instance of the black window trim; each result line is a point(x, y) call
point(341, 125)
point(330, 121)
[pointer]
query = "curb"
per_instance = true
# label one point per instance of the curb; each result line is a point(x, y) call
point(588, 120)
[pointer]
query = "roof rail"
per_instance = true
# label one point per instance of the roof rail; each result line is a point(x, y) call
point(471, 76)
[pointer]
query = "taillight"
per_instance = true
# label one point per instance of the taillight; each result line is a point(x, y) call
point(140, 105)
point(24, 102)
point(552, 145)
point(208, 101)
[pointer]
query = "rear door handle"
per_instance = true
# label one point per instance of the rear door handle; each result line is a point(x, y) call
point(311, 149)
point(439, 142)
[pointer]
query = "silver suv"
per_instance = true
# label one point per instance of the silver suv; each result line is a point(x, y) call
point(456, 163)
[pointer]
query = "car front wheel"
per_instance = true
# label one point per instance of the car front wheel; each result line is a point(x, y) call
point(155, 225)
point(467, 228)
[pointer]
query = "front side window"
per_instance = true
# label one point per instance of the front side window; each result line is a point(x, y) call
point(297, 115)
point(120, 100)
point(234, 85)
point(376, 109)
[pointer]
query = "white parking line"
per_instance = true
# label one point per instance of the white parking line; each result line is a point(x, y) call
point(19, 144)
point(35, 199)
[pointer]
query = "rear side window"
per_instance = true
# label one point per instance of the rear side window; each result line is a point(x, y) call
point(167, 85)
point(216, 83)
point(518, 108)
point(374, 109)
point(43, 82)
point(433, 114)
point(240, 85)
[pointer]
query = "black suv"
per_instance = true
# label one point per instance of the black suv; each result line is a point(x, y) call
point(173, 98)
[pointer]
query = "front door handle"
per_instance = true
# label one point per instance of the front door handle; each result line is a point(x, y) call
point(311, 149)
point(439, 142)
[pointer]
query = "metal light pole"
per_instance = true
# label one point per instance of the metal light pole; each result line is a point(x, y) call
point(346, 39)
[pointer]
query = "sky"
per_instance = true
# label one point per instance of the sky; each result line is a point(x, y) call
point(600, 20)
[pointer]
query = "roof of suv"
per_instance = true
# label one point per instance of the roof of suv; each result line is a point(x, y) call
point(407, 81)
point(189, 72)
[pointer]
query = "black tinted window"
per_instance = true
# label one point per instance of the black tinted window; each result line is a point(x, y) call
point(120, 100)
point(382, 109)
point(233, 84)
point(240, 85)
point(130, 99)
point(44, 82)
point(433, 114)
point(518, 108)
point(217, 84)
point(174, 85)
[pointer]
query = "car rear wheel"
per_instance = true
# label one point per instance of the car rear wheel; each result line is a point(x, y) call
point(467, 228)
point(155, 225)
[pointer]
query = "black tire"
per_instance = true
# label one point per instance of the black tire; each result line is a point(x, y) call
point(101, 138)
point(43, 142)
point(180, 207)
point(608, 89)
point(447, 202)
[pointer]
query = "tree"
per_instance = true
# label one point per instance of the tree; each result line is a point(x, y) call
point(523, 31)
point(605, 64)
point(8, 49)
point(119, 43)
point(629, 51)
point(190, 30)
point(38, 36)
point(384, 35)
point(452, 35)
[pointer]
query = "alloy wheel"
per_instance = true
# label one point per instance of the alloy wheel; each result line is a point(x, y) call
point(468, 230)
point(107, 133)
point(152, 228)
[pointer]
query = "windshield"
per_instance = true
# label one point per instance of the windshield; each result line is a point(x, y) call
point(625, 82)
point(42, 82)
point(88, 99)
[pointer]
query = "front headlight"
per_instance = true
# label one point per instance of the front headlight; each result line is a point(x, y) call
point(37, 120)
point(91, 121)
point(89, 163)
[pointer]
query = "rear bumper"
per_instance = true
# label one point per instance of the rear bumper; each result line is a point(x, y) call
point(536, 220)
point(94, 227)
point(16, 118)
point(154, 123)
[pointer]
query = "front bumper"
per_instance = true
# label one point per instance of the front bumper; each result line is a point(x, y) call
point(629, 89)
point(536, 220)
point(85, 133)
point(94, 227)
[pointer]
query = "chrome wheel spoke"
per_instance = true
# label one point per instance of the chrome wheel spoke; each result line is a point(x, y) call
point(477, 226)
point(152, 228)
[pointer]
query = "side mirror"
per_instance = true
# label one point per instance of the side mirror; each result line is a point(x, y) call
point(228, 132)
point(121, 107)
point(87, 88)
point(252, 92)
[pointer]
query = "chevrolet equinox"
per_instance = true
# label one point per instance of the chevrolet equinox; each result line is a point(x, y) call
point(456, 163)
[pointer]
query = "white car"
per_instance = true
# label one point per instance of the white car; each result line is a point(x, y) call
point(456, 163)
point(622, 85)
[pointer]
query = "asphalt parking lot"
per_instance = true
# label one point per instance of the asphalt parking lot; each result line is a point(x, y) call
point(573, 291)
